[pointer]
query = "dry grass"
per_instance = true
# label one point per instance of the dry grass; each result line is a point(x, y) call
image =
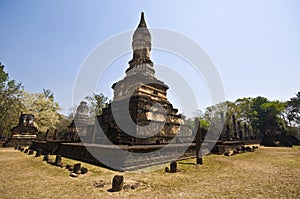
point(266, 173)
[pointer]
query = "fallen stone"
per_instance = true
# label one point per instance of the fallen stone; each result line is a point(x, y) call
point(173, 167)
point(167, 169)
point(76, 168)
point(58, 160)
point(249, 149)
point(38, 153)
point(30, 152)
point(234, 152)
point(46, 158)
point(135, 186)
point(62, 165)
point(243, 148)
point(99, 184)
point(51, 162)
point(117, 183)
point(199, 161)
point(126, 186)
point(84, 170)
point(71, 168)
point(74, 175)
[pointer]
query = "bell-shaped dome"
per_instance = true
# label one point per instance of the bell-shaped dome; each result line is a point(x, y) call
point(141, 37)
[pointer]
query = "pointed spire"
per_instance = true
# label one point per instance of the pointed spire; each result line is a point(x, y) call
point(141, 45)
point(142, 21)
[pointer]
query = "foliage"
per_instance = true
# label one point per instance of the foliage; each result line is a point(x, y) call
point(96, 103)
point(204, 124)
point(266, 115)
point(259, 113)
point(44, 109)
point(243, 109)
point(10, 103)
point(292, 113)
point(14, 100)
point(62, 124)
point(214, 118)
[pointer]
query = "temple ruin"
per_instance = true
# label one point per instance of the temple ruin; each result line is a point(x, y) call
point(24, 133)
point(140, 112)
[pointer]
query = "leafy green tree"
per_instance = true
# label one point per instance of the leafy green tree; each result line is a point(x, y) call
point(294, 105)
point(257, 114)
point(204, 124)
point(260, 113)
point(273, 116)
point(62, 124)
point(213, 117)
point(96, 103)
point(267, 116)
point(10, 103)
point(292, 114)
point(243, 108)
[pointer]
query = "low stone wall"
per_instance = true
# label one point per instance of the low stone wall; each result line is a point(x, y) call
point(124, 157)
point(128, 158)
point(222, 147)
point(18, 142)
point(51, 147)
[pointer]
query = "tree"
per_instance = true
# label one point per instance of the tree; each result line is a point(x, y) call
point(214, 116)
point(273, 116)
point(96, 103)
point(267, 116)
point(243, 106)
point(294, 105)
point(204, 124)
point(62, 124)
point(257, 115)
point(10, 103)
point(260, 113)
point(44, 109)
point(292, 113)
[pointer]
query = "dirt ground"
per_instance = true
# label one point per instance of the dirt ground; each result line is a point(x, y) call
point(265, 173)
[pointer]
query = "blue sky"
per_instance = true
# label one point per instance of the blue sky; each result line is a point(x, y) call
point(254, 44)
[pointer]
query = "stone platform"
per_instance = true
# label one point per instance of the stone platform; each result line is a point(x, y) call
point(118, 157)
point(126, 158)
point(22, 141)
point(222, 146)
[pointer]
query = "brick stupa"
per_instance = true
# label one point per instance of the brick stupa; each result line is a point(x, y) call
point(140, 112)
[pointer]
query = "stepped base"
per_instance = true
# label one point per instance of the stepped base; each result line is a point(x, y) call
point(112, 157)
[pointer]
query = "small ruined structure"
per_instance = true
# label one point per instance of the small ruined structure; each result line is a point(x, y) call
point(82, 118)
point(140, 112)
point(24, 133)
point(78, 126)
